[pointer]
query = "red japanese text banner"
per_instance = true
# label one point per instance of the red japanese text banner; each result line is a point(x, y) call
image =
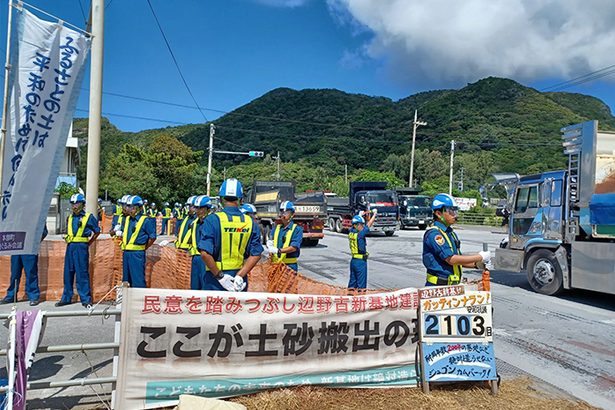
point(222, 344)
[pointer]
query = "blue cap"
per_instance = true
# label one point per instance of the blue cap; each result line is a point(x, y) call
point(248, 209)
point(231, 188)
point(287, 206)
point(202, 201)
point(358, 219)
point(76, 198)
point(443, 201)
point(134, 200)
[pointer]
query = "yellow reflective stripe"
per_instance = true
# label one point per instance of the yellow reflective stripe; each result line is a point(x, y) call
point(354, 242)
point(129, 244)
point(433, 279)
point(456, 276)
point(183, 237)
point(235, 236)
point(194, 250)
point(118, 210)
point(283, 258)
point(78, 238)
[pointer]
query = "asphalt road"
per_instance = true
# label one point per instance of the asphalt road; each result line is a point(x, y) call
point(566, 341)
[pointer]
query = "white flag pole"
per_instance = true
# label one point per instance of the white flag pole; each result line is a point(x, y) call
point(5, 106)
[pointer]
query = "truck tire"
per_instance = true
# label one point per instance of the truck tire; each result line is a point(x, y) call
point(389, 233)
point(308, 243)
point(544, 273)
point(331, 224)
point(422, 227)
point(338, 226)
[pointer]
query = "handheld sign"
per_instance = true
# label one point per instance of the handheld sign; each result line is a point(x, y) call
point(456, 336)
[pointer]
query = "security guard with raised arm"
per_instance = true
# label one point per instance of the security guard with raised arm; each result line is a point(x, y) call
point(229, 242)
point(138, 234)
point(358, 250)
point(442, 249)
point(287, 236)
point(82, 230)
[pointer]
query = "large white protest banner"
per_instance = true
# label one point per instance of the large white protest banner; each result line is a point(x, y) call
point(222, 344)
point(47, 61)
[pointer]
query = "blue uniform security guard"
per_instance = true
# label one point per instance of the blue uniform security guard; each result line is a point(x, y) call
point(178, 214)
point(358, 251)
point(249, 210)
point(82, 230)
point(229, 242)
point(287, 236)
point(29, 264)
point(138, 234)
point(166, 214)
point(442, 249)
point(203, 206)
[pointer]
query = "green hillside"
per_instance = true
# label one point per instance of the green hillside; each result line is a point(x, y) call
point(498, 124)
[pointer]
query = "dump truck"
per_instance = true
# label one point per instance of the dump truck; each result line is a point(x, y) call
point(310, 209)
point(562, 223)
point(365, 196)
point(414, 209)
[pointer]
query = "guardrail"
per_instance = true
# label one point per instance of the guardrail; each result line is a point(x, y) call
point(469, 218)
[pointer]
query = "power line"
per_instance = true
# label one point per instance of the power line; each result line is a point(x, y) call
point(594, 75)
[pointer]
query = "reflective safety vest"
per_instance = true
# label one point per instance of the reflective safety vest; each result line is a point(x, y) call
point(183, 236)
point(78, 237)
point(166, 212)
point(180, 213)
point(235, 235)
point(151, 213)
point(118, 210)
point(353, 238)
point(128, 244)
point(285, 244)
point(455, 277)
point(194, 249)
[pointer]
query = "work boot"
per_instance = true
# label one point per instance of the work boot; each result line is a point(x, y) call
point(5, 301)
point(62, 303)
point(34, 302)
point(87, 305)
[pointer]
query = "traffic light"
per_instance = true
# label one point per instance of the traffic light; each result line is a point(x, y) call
point(256, 153)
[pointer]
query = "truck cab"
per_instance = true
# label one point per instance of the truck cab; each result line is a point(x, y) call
point(415, 210)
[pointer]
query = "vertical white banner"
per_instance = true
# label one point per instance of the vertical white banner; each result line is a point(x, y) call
point(47, 61)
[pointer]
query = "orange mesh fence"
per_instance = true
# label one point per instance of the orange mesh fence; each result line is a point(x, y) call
point(166, 267)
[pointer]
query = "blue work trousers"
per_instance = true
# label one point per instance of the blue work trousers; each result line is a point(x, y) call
point(165, 222)
point(358, 274)
point(29, 263)
point(197, 273)
point(76, 264)
point(133, 268)
point(178, 223)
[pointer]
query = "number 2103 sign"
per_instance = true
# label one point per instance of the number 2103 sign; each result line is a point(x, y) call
point(456, 335)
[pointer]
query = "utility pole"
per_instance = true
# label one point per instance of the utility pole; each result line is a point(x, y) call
point(415, 125)
point(97, 18)
point(346, 174)
point(212, 131)
point(450, 180)
point(277, 174)
point(461, 179)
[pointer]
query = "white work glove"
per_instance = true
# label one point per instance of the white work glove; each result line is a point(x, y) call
point(375, 211)
point(227, 282)
point(119, 234)
point(361, 213)
point(486, 255)
point(240, 285)
point(272, 250)
point(164, 243)
point(269, 243)
point(117, 227)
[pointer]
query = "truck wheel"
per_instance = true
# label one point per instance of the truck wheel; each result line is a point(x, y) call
point(422, 227)
point(544, 273)
point(331, 224)
point(338, 226)
point(389, 233)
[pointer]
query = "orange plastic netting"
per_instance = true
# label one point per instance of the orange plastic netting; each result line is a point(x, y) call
point(166, 267)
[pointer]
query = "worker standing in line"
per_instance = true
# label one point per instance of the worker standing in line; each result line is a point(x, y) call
point(100, 212)
point(442, 248)
point(287, 236)
point(117, 212)
point(117, 222)
point(203, 207)
point(358, 250)
point(83, 230)
point(166, 214)
point(249, 210)
point(145, 206)
point(178, 213)
point(229, 242)
point(184, 237)
point(29, 264)
point(138, 234)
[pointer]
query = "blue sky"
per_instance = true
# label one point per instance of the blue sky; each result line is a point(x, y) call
point(233, 51)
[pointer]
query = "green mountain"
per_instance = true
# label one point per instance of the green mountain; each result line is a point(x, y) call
point(498, 125)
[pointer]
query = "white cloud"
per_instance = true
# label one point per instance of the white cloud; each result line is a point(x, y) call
point(283, 3)
point(448, 41)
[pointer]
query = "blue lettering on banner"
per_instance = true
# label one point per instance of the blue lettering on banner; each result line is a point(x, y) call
point(164, 391)
point(458, 362)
